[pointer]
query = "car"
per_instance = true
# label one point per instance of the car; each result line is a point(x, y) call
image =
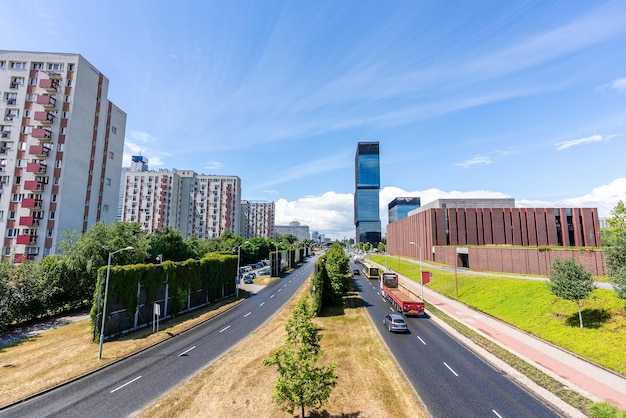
point(248, 278)
point(356, 272)
point(264, 272)
point(395, 323)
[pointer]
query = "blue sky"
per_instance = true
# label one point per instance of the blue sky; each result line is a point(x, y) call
point(522, 99)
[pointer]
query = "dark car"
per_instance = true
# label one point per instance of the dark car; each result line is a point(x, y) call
point(395, 323)
point(356, 272)
point(248, 278)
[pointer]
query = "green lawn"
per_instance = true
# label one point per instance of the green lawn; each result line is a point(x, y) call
point(530, 306)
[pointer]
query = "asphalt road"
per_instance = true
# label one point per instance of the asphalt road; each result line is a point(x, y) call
point(450, 379)
point(127, 387)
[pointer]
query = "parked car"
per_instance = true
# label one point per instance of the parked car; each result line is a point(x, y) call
point(264, 272)
point(395, 323)
point(248, 278)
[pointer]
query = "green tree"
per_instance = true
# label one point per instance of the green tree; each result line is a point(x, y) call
point(338, 270)
point(301, 383)
point(168, 243)
point(570, 281)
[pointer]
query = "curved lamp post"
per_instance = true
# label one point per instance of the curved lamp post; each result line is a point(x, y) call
point(421, 278)
point(237, 274)
point(106, 291)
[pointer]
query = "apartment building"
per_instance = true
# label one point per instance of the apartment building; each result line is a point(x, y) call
point(61, 145)
point(258, 219)
point(294, 228)
point(205, 205)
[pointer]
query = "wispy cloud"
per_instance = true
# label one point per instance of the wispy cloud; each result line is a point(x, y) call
point(213, 165)
point(481, 159)
point(619, 84)
point(560, 146)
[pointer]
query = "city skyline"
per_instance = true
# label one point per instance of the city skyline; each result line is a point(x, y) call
point(486, 99)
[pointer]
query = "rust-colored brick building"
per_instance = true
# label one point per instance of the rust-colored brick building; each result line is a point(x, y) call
point(458, 232)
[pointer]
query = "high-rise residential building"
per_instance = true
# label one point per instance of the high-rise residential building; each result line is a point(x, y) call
point(294, 228)
point(400, 207)
point(205, 205)
point(61, 146)
point(366, 193)
point(257, 219)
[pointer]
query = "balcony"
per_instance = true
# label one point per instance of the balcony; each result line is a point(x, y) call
point(6, 133)
point(4, 150)
point(8, 117)
point(29, 221)
point(39, 150)
point(46, 118)
point(11, 102)
point(49, 84)
point(46, 101)
point(32, 203)
point(42, 134)
point(34, 186)
point(38, 168)
point(27, 239)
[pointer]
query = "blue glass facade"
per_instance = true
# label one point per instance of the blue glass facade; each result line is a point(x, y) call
point(400, 207)
point(366, 193)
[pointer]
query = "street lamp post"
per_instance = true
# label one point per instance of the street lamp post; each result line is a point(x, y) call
point(237, 273)
point(421, 277)
point(106, 291)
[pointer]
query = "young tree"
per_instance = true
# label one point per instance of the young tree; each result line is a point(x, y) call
point(301, 383)
point(570, 281)
point(338, 270)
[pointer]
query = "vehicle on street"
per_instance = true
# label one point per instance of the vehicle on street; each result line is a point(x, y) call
point(356, 272)
point(248, 278)
point(395, 323)
point(401, 301)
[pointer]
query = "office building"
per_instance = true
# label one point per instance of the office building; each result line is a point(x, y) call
point(205, 205)
point(366, 193)
point(61, 146)
point(400, 207)
point(294, 228)
point(258, 219)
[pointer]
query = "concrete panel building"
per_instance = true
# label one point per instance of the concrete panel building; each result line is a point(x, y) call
point(205, 205)
point(61, 146)
point(294, 228)
point(257, 219)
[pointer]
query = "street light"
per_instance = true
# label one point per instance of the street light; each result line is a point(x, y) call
point(421, 277)
point(106, 291)
point(237, 274)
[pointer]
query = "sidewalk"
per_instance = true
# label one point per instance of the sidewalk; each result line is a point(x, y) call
point(594, 382)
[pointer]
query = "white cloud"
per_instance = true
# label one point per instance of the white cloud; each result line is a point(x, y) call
point(479, 159)
point(619, 84)
point(213, 165)
point(560, 146)
point(332, 214)
point(141, 136)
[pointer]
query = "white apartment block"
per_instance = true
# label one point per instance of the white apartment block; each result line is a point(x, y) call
point(294, 228)
point(257, 219)
point(205, 205)
point(61, 145)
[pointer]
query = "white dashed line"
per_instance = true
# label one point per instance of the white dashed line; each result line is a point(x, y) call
point(450, 368)
point(186, 351)
point(224, 329)
point(127, 383)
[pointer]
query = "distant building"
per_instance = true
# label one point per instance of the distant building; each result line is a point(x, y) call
point(400, 207)
point(205, 205)
point(61, 146)
point(433, 231)
point(257, 219)
point(366, 193)
point(294, 228)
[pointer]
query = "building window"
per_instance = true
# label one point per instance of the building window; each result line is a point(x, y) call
point(18, 180)
point(32, 82)
point(111, 155)
point(105, 208)
point(10, 232)
point(53, 198)
point(107, 181)
point(70, 67)
point(67, 98)
point(12, 214)
point(70, 82)
point(65, 115)
point(52, 215)
point(58, 163)
point(114, 129)
point(49, 233)
point(37, 65)
point(55, 67)
point(63, 130)
point(18, 65)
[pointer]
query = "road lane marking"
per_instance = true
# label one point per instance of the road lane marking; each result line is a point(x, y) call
point(186, 351)
point(247, 314)
point(280, 290)
point(391, 309)
point(496, 412)
point(285, 285)
point(262, 304)
point(272, 296)
point(127, 383)
point(450, 368)
point(423, 342)
point(224, 329)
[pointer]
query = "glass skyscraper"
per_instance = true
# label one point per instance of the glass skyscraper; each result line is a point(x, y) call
point(366, 192)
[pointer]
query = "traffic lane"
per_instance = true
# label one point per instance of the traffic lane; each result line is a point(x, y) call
point(430, 358)
point(120, 389)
